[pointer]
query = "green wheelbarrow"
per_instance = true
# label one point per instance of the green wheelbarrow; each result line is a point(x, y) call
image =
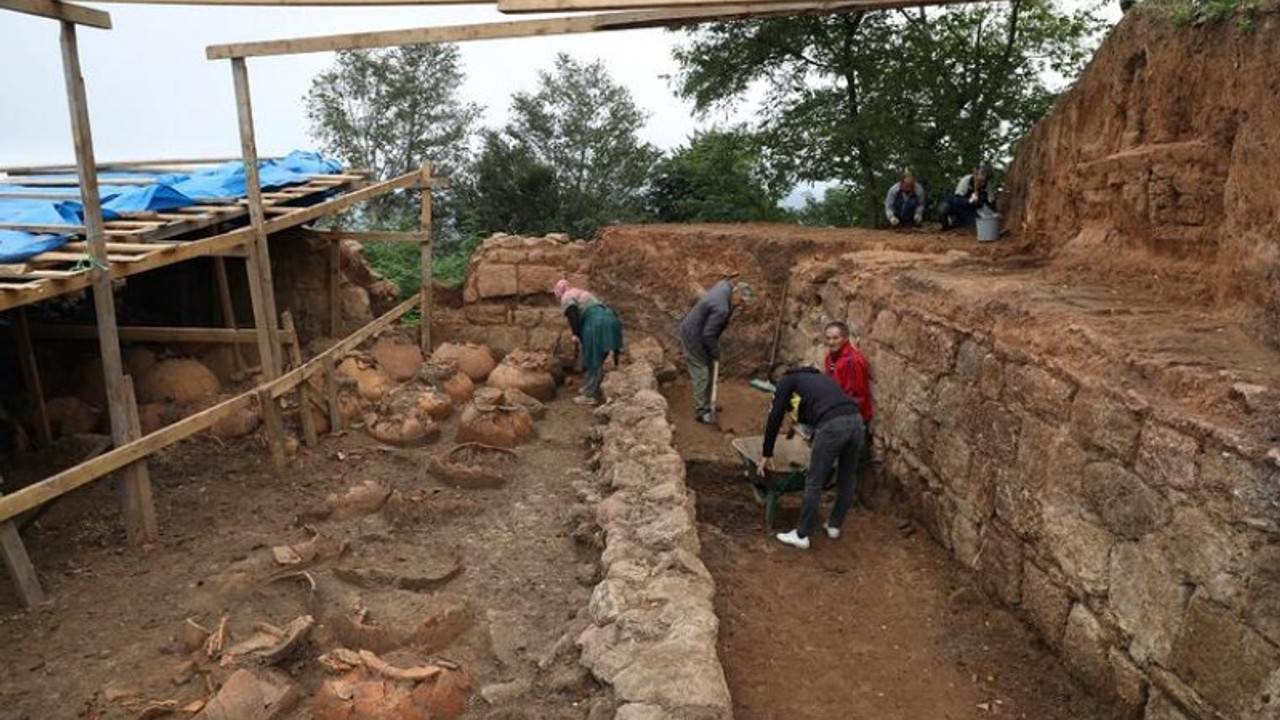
point(791, 465)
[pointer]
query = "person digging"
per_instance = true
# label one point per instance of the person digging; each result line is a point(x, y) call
point(597, 331)
point(838, 434)
point(700, 333)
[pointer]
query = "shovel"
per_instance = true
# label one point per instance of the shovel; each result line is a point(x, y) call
point(715, 384)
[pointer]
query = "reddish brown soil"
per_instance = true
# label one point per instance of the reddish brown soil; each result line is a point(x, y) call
point(878, 624)
point(105, 642)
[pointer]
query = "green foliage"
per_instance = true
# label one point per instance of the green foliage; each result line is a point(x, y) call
point(718, 177)
point(837, 208)
point(1208, 12)
point(570, 158)
point(857, 97)
point(451, 268)
point(389, 111)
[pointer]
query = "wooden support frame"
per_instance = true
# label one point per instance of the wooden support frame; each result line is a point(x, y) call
point(305, 418)
point(58, 10)
point(137, 508)
point(35, 495)
point(530, 28)
point(259, 265)
point(427, 281)
point(226, 305)
point(18, 563)
point(158, 334)
point(31, 375)
point(762, 8)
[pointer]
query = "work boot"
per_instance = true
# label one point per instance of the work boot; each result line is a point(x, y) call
point(832, 532)
point(794, 540)
point(706, 419)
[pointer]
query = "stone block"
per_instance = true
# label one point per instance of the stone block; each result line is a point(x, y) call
point(1167, 457)
point(494, 280)
point(931, 346)
point(969, 357)
point(1225, 661)
point(1086, 646)
point(1160, 707)
point(1000, 564)
point(537, 279)
point(936, 512)
point(1253, 490)
point(1037, 390)
point(917, 390)
point(953, 400)
point(993, 430)
point(1126, 506)
point(991, 381)
point(1081, 548)
point(1049, 457)
point(966, 539)
point(1148, 599)
point(1102, 420)
point(1046, 604)
point(887, 375)
point(1211, 555)
point(1262, 596)
point(486, 313)
point(886, 330)
point(528, 317)
point(951, 457)
point(1130, 684)
point(975, 488)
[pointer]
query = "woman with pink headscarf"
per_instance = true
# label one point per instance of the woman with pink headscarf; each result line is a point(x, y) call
point(598, 331)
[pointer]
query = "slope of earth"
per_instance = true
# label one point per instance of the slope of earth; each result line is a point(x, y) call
point(878, 624)
point(489, 579)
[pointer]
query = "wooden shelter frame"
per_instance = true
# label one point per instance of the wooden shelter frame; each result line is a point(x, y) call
point(119, 248)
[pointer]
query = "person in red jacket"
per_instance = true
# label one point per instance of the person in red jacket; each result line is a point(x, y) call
point(848, 367)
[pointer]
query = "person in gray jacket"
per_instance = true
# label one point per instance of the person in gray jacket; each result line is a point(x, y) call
point(904, 205)
point(700, 333)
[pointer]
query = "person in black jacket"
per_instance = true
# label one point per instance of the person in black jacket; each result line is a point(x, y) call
point(971, 195)
point(838, 434)
point(700, 333)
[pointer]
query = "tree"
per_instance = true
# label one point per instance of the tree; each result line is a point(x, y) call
point(837, 208)
point(579, 131)
point(854, 98)
point(511, 190)
point(388, 111)
point(718, 177)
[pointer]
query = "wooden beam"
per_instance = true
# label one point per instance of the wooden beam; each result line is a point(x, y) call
point(334, 285)
point(330, 370)
point(57, 10)
point(118, 165)
point(300, 3)
point(19, 564)
point(307, 420)
point(274, 425)
point(424, 290)
point(39, 493)
point(758, 9)
point(222, 285)
point(157, 334)
point(137, 507)
point(31, 376)
point(516, 29)
point(259, 264)
point(218, 244)
point(364, 236)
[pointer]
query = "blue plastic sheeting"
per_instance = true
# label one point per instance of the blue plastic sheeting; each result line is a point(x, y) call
point(170, 192)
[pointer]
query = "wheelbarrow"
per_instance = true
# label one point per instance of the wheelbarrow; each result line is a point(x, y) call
point(791, 465)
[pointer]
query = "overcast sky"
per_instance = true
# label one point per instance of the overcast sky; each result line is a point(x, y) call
point(152, 93)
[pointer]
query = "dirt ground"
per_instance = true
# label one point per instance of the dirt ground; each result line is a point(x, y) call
point(110, 639)
point(878, 624)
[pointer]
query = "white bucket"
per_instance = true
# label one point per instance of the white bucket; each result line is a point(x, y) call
point(988, 228)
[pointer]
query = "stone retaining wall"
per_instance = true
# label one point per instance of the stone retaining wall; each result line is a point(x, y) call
point(652, 633)
point(1140, 540)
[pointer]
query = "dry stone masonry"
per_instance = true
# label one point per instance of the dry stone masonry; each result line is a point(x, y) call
point(1140, 540)
point(652, 632)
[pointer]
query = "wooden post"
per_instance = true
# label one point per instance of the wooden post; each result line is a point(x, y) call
point(31, 376)
point(259, 267)
point(335, 286)
point(331, 393)
point(19, 564)
point(275, 426)
point(424, 292)
point(295, 359)
point(228, 306)
point(139, 513)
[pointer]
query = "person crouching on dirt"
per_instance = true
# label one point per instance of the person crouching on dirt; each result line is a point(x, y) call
point(838, 435)
point(961, 209)
point(597, 331)
point(904, 205)
point(700, 333)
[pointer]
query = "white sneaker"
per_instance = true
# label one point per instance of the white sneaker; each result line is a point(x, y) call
point(832, 533)
point(794, 540)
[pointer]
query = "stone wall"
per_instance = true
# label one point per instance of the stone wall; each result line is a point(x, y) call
point(652, 632)
point(1139, 537)
point(507, 298)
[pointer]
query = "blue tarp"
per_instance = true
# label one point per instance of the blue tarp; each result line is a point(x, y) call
point(170, 192)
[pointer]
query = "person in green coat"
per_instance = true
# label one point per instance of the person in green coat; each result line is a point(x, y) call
point(598, 331)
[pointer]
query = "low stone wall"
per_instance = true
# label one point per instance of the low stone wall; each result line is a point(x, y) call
point(652, 633)
point(1139, 538)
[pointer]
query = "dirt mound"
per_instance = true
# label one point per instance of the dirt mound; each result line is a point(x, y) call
point(1162, 159)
